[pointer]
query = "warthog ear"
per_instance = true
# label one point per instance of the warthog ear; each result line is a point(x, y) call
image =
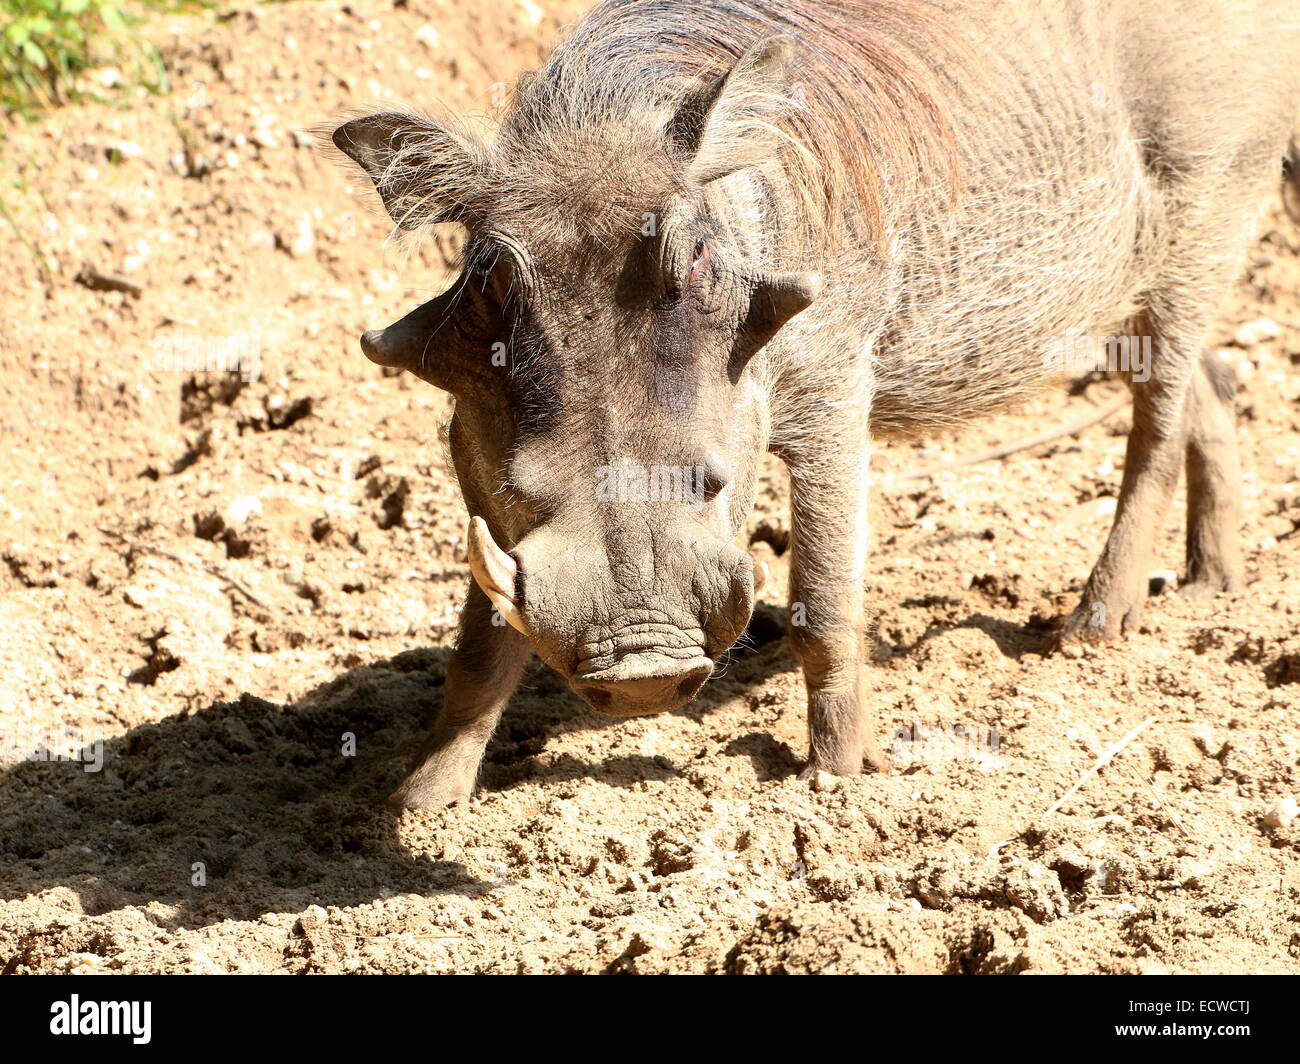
point(732, 122)
point(774, 299)
point(423, 172)
point(448, 341)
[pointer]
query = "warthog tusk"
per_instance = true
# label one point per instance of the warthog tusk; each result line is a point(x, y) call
point(494, 572)
point(760, 577)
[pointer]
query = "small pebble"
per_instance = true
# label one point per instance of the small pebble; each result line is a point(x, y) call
point(1281, 812)
point(824, 782)
point(1257, 332)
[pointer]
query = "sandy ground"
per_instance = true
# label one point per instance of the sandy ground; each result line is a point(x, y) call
point(245, 591)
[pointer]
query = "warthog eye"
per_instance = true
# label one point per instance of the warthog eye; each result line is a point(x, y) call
point(699, 263)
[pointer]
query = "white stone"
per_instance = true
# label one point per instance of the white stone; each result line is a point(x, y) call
point(1257, 332)
point(1282, 812)
point(242, 509)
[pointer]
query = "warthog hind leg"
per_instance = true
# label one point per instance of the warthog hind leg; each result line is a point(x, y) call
point(1117, 589)
point(1213, 483)
point(1182, 411)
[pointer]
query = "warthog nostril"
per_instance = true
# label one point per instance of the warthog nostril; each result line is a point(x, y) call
point(687, 688)
point(598, 697)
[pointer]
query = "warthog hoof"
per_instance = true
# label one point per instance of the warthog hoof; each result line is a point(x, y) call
point(427, 788)
point(1102, 620)
point(1203, 590)
point(873, 759)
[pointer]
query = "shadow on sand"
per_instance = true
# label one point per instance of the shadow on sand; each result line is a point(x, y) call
point(246, 807)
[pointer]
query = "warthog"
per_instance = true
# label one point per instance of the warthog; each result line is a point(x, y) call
point(708, 229)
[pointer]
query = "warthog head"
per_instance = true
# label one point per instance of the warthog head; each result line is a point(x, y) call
point(600, 344)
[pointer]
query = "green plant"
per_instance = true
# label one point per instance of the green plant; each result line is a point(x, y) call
point(46, 44)
point(42, 265)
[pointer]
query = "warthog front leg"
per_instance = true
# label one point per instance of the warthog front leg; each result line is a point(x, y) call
point(827, 609)
point(484, 671)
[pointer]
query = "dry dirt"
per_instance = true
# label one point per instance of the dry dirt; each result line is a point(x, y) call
point(223, 581)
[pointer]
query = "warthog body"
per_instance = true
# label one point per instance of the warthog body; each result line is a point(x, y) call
point(705, 230)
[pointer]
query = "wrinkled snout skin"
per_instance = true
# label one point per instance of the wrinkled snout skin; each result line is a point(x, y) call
point(635, 622)
point(705, 232)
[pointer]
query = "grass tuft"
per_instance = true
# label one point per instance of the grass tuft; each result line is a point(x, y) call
point(48, 46)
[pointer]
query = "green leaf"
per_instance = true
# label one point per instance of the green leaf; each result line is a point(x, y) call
point(34, 55)
point(112, 17)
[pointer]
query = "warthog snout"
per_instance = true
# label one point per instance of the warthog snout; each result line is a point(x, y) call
point(634, 623)
point(643, 684)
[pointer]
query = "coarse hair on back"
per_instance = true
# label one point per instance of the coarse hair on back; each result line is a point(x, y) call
point(862, 110)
